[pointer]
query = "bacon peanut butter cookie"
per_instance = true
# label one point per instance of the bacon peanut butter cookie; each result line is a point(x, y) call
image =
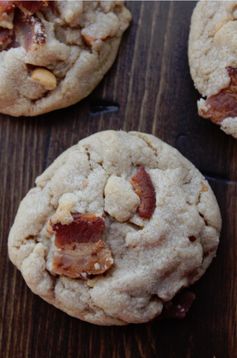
point(115, 228)
point(54, 53)
point(213, 61)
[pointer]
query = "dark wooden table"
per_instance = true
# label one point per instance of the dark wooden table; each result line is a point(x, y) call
point(150, 82)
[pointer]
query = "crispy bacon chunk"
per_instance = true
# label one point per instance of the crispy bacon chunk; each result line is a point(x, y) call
point(29, 30)
point(192, 238)
point(144, 188)
point(179, 306)
point(6, 6)
point(79, 248)
point(20, 17)
point(30, 6)
point(93, 258)
point(83, 229)
point(224, 103)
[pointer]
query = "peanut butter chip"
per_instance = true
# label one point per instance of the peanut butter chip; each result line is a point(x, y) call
point(45, 78)
point(204, 187)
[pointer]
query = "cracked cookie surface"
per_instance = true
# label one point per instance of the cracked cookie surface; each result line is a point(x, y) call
point(54, 53)
point(213, 61)
point(104, 250)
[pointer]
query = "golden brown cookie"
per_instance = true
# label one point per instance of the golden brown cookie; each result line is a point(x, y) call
point(114, 228)
point(54, 53)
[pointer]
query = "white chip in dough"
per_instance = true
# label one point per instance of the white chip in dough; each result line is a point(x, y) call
point(121, 202)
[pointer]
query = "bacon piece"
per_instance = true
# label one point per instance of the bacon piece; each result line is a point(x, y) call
point(29, 30)
point(6, 38)
point(79, 250)
point(224, 103)
point(83, 229)
point(31, 6)
point(192, 238)
point(179, 306)
point(144, 188)
point(92, 258)
point(6, 6)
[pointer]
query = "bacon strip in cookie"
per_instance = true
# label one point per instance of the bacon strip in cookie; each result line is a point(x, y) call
point(83, 229)
point(6, 6)
point(79, 249)
point(144, 188)
point(29, 30)
point(223, 104)
point(30, 6)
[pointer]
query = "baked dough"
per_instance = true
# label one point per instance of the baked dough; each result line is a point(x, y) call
point(213, 61)
point(54, 53)
point(146, 211)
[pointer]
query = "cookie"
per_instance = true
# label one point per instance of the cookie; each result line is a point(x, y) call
point(213, 61)
point(54, 53)
point(114, 228)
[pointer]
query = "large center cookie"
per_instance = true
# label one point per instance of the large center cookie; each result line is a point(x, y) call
point(213, 61)
point(54, 53)
point(115, 227)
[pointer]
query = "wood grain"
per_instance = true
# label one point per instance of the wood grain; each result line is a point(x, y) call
point(151, 83)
